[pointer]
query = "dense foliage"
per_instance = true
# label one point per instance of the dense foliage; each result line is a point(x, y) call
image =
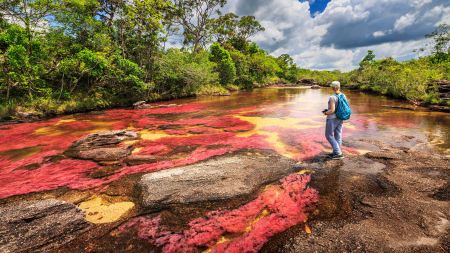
point(62, 56)
point(413, 80)
point(65, 55)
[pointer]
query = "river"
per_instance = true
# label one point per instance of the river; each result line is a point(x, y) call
point(186, 131)
point(287, 120)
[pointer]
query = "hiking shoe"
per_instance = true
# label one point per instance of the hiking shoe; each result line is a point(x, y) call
point(337, 156)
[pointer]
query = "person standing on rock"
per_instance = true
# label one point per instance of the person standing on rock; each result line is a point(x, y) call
point(338, 111)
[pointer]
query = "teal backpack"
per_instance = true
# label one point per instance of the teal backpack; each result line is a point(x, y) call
point(343, 110)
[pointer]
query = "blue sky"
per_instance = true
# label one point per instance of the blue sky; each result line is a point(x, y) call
point(316, 6)
point(323, 34)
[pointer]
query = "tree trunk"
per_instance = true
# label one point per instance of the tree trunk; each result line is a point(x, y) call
point(7, 92)
point(62, 88)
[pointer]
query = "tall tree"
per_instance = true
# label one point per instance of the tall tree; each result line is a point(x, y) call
point(441, 47)
point(369, 58)
point(196, 18)
point(79, 19)
point(231, 27)
point(31, 14)
point(141, 27)
point(248, 26)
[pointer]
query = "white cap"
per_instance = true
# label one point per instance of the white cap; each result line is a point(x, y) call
point(336, 84)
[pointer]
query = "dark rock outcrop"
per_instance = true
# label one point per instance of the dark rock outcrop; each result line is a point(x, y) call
point(105, 146)
point(442, 87)
point(219, 178)
point(39, 226)
point(440, 108)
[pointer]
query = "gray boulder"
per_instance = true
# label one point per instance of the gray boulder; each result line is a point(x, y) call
point(104, 146)
point(39, 226)
point(219, 178)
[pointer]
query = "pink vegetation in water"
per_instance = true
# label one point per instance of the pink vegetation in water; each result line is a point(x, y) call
point(189, 134)
point(245, 229)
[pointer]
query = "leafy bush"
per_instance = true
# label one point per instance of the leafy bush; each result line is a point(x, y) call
point(180, 73)
point(409, 80)
point(225, 65)
point(263, 66)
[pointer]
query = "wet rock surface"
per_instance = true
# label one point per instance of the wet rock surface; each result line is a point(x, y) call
point(392, 200)
point(144, 105)
point(39, 226)
point(104, 146)
point(140, 159)
point(216, 179)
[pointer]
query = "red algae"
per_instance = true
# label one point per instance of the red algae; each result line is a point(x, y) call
point(245, 229)
point(207, 131)
point(210, 135)
point(48, 176)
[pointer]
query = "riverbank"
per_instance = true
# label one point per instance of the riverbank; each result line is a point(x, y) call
point(28, 115)
point(48, 109)
point(443, 89)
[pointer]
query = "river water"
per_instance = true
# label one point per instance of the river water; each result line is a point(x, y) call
point(287, 120)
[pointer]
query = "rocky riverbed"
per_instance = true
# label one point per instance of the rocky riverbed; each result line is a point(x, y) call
point(394, 198)
point(223, 177)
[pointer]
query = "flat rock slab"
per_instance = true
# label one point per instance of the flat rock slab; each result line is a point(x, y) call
point(219, 178)
point(362, 165)
point(39, 226)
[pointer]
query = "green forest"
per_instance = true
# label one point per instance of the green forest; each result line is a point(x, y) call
point(64, 56)
point(413, 80)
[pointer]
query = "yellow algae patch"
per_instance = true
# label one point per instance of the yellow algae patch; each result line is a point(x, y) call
point(152, 135)
point(156, 135)
point(272, 137)
point(75, 197)
point(67, 120)
point(18, 154)
point(56, 129)
point(307, 229)
point(302, 172)
point(222, 239)
point(99, 211)
point(287, 122)
point(131, 142)
point(278, 145)
point(136, 150)
point(263, 214)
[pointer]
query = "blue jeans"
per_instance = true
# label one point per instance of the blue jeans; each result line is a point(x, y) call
point(333, 132)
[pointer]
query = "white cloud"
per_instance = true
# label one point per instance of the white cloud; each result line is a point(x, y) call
point(420, 3)
point(339, 37)
point(378, 34)
point(404, 21)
